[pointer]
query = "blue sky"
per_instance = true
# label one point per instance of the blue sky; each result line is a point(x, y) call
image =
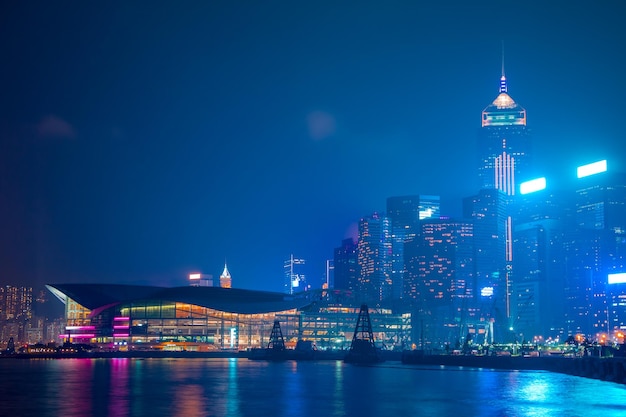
point(144, 141)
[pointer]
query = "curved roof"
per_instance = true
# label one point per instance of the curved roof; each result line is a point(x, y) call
point(99, 297)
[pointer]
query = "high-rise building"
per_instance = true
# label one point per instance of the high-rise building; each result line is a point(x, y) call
point(225, 278)
point(616, 302)
point(374, 258)
point(440, 277)
point(538, 296)
point(197, 279)
point(346, 266)
point(16, 302)
point(16, 308)
point(492, 253)
point(405, 214)
point(295, 277)
point(329, 274)
point(504, 151)
point(596, 248)
point(504, 145)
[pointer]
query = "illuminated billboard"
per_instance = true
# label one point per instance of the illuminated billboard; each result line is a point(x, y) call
point(531, 186)
point(591, 169)
point(486, 291)
point(619, 278)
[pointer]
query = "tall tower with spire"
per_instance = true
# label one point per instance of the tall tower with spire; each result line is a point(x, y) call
point(225, 279)
point(503, 143)
point(504, 150)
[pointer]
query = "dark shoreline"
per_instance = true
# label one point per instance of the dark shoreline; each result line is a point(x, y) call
point(245, 354)
point(606, 369)
point(611, 369)
point(128, 355)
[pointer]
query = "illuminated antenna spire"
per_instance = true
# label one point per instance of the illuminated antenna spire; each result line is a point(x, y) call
point(503, 87)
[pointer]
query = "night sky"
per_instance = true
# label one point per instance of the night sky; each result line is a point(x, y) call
point(141, 142)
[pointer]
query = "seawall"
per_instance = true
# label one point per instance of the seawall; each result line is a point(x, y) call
point(606, 369)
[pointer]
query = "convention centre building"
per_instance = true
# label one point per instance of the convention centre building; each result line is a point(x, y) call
point(216, 318)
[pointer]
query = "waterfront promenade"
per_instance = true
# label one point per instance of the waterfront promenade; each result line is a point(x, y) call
point(611, 369)
point(607, 369)
point(244, 354)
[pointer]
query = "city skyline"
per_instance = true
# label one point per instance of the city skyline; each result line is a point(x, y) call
point(156, 143)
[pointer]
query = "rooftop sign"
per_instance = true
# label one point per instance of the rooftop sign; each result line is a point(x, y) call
point(619, 278)
point(531, 186)
point(591, 169)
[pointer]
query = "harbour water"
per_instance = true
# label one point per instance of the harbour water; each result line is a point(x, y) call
point(240, 387)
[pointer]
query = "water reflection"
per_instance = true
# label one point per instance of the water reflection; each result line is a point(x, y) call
point(119, 388)
point(189, 401)
point(236, 387)
point(137, 387)
point(232, 395)
point(72, 387)
point(338, 393)
point(293, 390)
point(535, 390)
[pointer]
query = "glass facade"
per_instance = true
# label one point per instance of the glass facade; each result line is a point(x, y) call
point(374, 249)
point(182, 326)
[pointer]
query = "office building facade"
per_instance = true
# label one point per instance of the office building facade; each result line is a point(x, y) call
point(374, 257)
point(294, 275)
point(504, 143)
point(440, 278)
point(346, 267)
point(405, 214)
point(596, 249)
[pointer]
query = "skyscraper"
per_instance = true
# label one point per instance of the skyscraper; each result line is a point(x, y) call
point(493, 253)
point(504, 150)
point(596, 247)
point(225, 278)
point(346, 266)
point(503, 142)
point(440, 277)
point(16, 302)
point(538, 297)
point(405, 213)
point(295, 278)
point(374, 258)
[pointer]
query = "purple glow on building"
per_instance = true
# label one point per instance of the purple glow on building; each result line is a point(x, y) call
point(77, 336)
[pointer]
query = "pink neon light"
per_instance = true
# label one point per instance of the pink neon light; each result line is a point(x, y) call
point(77, 336)
point(120, 327)
point(80, 327)
point(121, 335)
point(121, 318)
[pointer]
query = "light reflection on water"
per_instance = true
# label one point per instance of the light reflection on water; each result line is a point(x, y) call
point(239, 387)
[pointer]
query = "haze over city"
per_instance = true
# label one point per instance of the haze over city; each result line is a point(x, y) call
point(142, 142)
